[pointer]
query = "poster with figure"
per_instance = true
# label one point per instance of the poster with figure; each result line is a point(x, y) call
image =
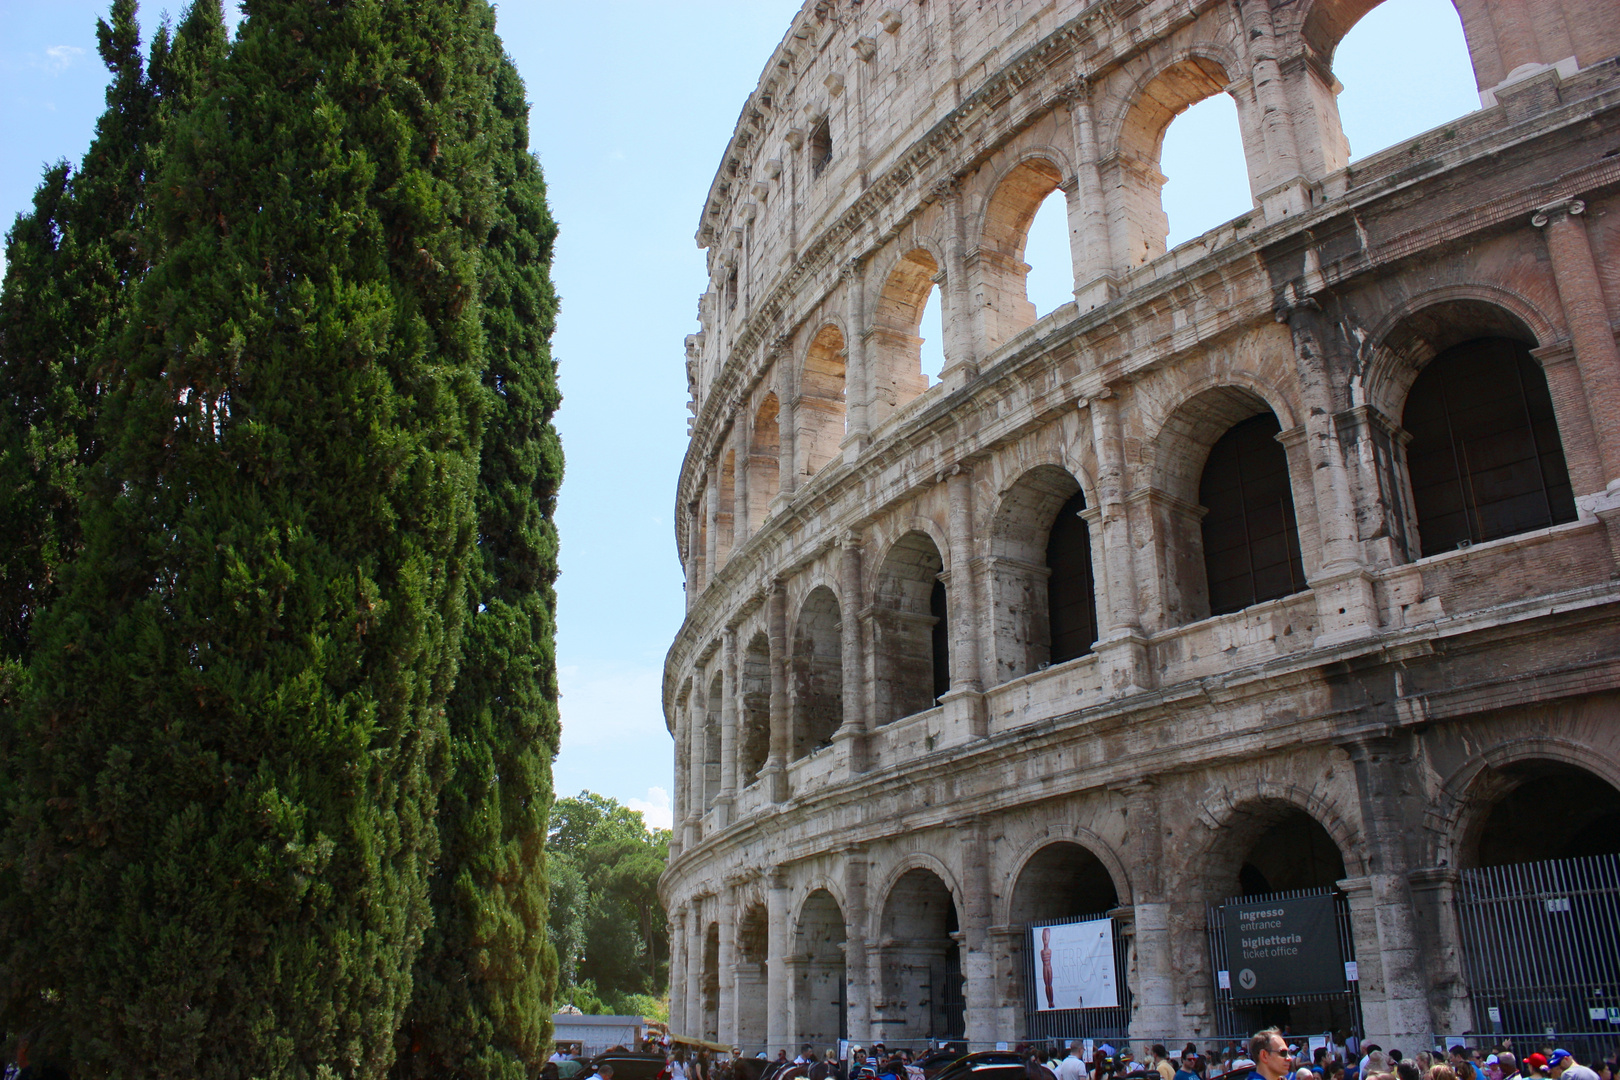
point(1074, 966)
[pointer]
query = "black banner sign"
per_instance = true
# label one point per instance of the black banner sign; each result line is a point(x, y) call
point(1283, 948)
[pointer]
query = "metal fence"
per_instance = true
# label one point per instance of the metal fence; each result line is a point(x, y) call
point(1237, 1020)
point(1061, 1025)
point(1541, 952)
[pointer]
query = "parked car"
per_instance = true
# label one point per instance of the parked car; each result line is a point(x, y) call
point(985, 1065)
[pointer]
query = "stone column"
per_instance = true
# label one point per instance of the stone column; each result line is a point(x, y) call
point(1276, 116)
point(1006, 956)
point(697, 751)
point(677, 970)
point(778, 985)
point(961, 335)
point(678, 815)
point(852, 732)
point(711, 548)
point(1586, 311)
point(1154, 1019)
point(728, 727)
point(1122, 648)
point(857, 976)
point(727, 965)
point(742, 438)
point(857, 380)
point(695, 560)
point(1390, 800)
point(965, 701)
point(776, 763)
point(1089, 240)
point(978, 967)
point(787, 470)
point(1346, 605)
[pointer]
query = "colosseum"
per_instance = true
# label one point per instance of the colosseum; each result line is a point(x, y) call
point(1235, 644)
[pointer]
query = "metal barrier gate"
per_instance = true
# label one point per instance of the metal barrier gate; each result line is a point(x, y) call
point(1062, 1025)
point(1238, 1020)
point(1541, 951)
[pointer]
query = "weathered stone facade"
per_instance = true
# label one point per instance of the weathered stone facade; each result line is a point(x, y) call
point(882, 776)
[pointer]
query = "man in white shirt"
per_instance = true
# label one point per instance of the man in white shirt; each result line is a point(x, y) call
point(1073, 1067)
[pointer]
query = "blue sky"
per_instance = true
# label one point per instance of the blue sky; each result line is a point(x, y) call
point(633, 104)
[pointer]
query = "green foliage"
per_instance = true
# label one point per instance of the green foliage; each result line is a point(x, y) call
point(626, 946)
point(70, 265)
point(484, 983)
point(237, 711)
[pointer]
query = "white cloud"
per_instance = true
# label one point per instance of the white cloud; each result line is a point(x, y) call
point(655, 808)
point(60, 57)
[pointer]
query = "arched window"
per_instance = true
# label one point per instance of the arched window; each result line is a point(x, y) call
point(911, 643)
point(898, 330)
point(1002, 271)
point(816, 702)
point(1169, 94)
point(711, 742)
point(1251, 543)
point(1043, 596)
point(755, 737)
point(764, 461)
point(1206, 176)
point(1071, 595)
point(820, 415)
point(1403, 68)
point(1484, 458)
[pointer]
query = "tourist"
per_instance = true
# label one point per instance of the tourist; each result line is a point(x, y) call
point(1508, 1064)
point(1269, 1052)
point(1189, 1068)
point(1100, 1069)
point(1073, 1067)
point(1563, 1066)
point(1161, 1061)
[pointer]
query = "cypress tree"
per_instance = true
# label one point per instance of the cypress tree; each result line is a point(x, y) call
point(226, 735)
point(70, 267)
point(70, 264)
point(487, 974)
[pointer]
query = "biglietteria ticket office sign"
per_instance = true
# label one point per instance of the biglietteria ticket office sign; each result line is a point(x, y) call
point(1283, 948)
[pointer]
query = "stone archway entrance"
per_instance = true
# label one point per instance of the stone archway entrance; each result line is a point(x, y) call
point(919, 962)
point(1062, 883)
point(820, 994)
point(1540, 877)
point(1286, 862)
point(753, 948)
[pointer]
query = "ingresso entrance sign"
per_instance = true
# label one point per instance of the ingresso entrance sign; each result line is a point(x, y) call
point(1282, 948)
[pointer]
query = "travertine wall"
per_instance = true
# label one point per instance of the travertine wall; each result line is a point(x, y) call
point(893, 149)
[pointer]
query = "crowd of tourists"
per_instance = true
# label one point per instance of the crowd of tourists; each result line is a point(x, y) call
point(1274, 1055)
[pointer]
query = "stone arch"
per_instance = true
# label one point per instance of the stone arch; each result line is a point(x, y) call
point(1060, 879)
point(1195, 455)
point(764, 459)
point(753, 976)
point(1003, 229)
point(1427, 323)
point(894, 349)
point(1145, 115)
point(816, 689)
point(754, 709)
point(909, 626)
point(820, 413)
point(1042, 578)
point(1462, 807)
point(713, 712)
point(1077, 836)
point(820, 994)
point(1236, 827)
point(919, 960)
point(1478, 441)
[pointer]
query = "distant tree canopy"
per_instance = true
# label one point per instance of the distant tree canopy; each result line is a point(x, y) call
point(612, 939)
point(277, 684)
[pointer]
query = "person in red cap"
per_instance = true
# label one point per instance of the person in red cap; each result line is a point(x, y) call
point(1536, 1064)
